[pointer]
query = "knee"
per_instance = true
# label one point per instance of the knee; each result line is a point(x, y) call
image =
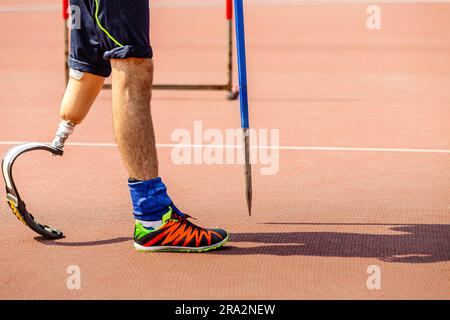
point(136, 71)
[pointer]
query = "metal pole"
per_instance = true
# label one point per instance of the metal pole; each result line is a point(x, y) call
point(232, 94)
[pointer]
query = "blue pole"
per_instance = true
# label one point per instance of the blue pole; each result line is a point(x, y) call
point(242, 64)
point(242, 70)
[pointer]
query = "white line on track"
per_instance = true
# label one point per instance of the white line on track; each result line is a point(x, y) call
point(289, 148)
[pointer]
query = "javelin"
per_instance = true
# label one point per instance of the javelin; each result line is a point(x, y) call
point(242, 70)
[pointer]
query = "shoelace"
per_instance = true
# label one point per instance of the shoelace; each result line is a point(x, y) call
point(177, 215)
point(181, 215)
point(184, 218)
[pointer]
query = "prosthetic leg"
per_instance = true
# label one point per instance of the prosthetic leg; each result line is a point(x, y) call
point(13, 198)
point(79, 97)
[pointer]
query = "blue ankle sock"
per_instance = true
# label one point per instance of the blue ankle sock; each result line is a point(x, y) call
point(150, 199)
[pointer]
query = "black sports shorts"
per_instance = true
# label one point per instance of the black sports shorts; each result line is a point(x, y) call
point(108, 29)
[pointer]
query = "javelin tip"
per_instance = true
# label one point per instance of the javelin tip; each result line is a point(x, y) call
point(248, 173)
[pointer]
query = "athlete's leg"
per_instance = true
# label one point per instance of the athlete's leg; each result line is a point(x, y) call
point(123, 32)
point(132, 83)
point(125, 27)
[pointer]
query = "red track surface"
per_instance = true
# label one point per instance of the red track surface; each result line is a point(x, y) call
point(316, 73)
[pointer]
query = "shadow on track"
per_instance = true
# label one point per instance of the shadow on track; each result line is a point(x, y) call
point(422, 243)
point(82, 243)
point(418, 244)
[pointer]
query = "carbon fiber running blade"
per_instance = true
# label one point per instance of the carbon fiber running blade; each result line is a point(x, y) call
point(13, 198)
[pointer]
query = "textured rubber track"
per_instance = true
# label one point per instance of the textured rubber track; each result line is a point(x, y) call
point(317, 74)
